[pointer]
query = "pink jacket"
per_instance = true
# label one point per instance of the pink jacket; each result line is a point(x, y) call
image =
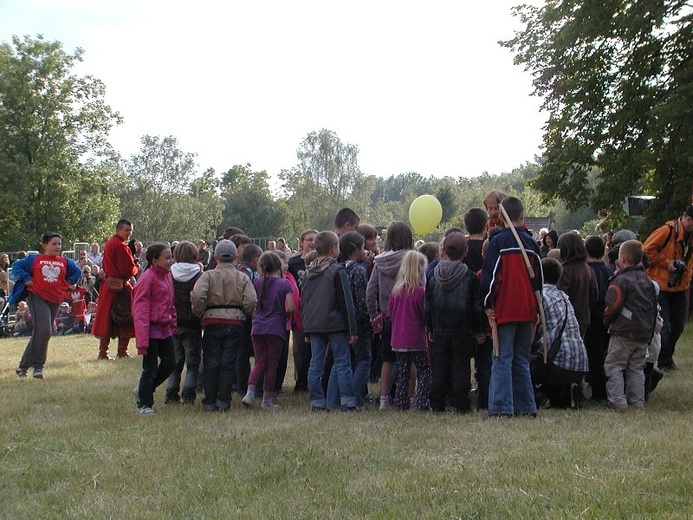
point(408, 323)
point(153, 307)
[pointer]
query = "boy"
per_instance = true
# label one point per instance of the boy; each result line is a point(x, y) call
point(453, 318)
point(250, 255)
point(597, 336)
point(346, 220)
point(328, 316)
point(509, 300)
point(225, 299)
point(630, 314)
point(475, 222)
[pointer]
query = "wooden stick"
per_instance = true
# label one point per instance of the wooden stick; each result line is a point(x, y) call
point(494, 337)
point(530, 271)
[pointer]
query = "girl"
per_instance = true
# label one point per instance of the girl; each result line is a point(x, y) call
point(577, 280)
point(275, 301)
point(398, 242)
point(154, 314)
point(46, 277)
point(409, 331)
point(301, 349)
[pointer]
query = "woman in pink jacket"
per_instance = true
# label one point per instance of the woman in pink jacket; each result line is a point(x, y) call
point(154, 314)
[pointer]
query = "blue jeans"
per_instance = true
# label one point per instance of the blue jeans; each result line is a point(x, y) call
point(361, 358)
point(341, 370)
point(510, 389)
point(188, 348)
point(220, 345)
point(154, 372)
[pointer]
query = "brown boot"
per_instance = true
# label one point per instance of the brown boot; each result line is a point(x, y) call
point(103, 349)
point(123, 348)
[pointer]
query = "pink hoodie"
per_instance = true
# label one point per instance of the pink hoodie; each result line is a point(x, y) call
point(153, 307)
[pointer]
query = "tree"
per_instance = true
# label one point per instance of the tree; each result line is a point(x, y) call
point(162, 195)
point(249, 204)
point(54, 152)
point(617, 83)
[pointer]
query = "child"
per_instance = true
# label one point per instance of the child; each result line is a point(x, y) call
point(409, 331)
point(249, 255)
point(46, 277)
point(328, 316)
point(351, 248)
point(453, 319)
point(475, 222)
point(398, 242)
point(275, 301)
point(224, 298)
point(630, 314)
point(597, 336)
point(154, 315)
point(187, 341)
point(509, 300)
point(64, 320)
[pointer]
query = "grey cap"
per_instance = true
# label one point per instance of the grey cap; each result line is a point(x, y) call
point(225, 249)
point(621, 236)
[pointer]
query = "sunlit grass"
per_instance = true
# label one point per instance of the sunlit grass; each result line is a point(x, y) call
point(73, 447)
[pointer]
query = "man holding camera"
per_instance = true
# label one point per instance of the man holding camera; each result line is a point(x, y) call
point(670, 249)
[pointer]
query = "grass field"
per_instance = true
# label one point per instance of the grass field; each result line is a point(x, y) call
point(73, 447)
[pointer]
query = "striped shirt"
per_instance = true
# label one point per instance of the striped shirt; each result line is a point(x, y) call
point(572, 354)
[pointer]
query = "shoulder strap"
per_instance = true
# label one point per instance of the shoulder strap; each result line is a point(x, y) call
point(672, 229)
point(556, 343)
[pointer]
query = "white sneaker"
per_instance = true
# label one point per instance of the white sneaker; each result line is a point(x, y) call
point(145, 411)
point(384, 405)
point(248, 400)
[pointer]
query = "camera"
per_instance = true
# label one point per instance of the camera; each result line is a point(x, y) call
point(679, 270)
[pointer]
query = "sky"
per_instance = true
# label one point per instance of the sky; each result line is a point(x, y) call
point(417, 86)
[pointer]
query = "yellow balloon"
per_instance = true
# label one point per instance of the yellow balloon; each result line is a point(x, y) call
point(425, 214)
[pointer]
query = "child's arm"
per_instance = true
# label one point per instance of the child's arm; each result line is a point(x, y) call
point(614, 302)
point(373, 293)
point(346, 302)
point(198, 296)
point(249, 298)
point(141, 304)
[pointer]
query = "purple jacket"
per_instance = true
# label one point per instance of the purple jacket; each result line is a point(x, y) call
point(408, 321)
point(153, 307)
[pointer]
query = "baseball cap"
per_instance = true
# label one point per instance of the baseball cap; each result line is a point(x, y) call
point(225, 249)
point(689, 211)
point(455, 243)
point(621, 236)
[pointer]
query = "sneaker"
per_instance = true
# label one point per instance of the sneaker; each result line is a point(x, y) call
point(248, 400)
point(104, 356)
point(348, 409)
point(21, 372)
point(657, 376)
point(384, 405)
point(146, 410)
point(172, 399)
point(318, 409)
point(270, 405)
point(38, 373)
point(122, 355)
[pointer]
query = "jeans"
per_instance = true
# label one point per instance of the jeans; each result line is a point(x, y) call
point(339, 345)
point(220, 345)
point(673, 311)
point(187, 345)
point(43, 313)
point(361, 361)
point(154, 372)
point(510, 389)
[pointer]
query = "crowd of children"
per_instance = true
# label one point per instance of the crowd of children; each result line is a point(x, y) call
point(434, 326)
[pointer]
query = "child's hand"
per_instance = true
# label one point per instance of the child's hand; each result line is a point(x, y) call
point(430, 337)
point(480, 338)
point(490, 314)
point(306, 339)
point(353, 339)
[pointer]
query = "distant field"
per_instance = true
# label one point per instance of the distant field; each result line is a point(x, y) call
point(73, 447)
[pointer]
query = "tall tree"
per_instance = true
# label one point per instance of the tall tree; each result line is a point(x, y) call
point(163, 196)
point(617, 83)
point(54, 151)
point(249, 204)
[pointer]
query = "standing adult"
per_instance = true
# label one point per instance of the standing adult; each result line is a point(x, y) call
point(670, 250)
point(119, 266)
point(45, 277)
point(202, 253)
point(492, 202)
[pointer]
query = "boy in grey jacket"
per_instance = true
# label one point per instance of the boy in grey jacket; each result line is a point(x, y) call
point(630, 315)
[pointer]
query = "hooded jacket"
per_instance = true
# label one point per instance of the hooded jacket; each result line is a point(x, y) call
point(184, 277)
point(382, 281)
point(327, 305)
point(224, 294)
point(452, 300)
point(153, 309)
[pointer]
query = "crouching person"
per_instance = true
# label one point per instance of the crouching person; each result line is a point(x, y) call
point(568, 362)
point(224, 298)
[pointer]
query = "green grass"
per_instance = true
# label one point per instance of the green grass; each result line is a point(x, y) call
point(73, 447)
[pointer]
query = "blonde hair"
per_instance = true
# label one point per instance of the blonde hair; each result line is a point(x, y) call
point(411, 273)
